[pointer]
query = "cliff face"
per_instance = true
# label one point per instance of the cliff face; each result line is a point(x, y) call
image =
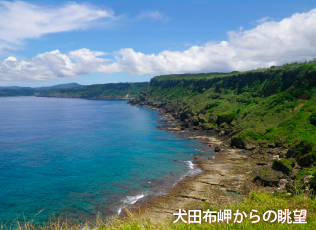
point(264, 82)
point(270, 108)
point(230, 98)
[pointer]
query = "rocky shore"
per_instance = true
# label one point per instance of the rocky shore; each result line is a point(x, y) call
point(236, 169)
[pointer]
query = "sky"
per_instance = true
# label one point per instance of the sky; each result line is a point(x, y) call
point(45, 43)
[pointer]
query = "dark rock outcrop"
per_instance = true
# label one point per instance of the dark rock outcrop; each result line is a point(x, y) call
point(269, 177)
point(284, 165)
point(217, 148)
point(305, 160)
point(291, 153)
point(238, 143)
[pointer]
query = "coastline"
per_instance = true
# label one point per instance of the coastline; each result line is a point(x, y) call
point(226, 178)
point(87, 98)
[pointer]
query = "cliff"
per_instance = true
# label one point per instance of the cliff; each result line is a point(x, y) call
point(271, 110)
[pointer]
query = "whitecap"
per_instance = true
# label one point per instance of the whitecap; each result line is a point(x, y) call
point(194, 170)
point(130, 200)
point(190, 164)
point(133, 199)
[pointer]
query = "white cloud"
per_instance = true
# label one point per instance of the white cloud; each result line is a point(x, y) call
point(87, 61)
point(211, 56)
point(6, 49)
point(22, 20)
point(154, 15)
point(50, 65)
point(262, 20)
point(270, 43)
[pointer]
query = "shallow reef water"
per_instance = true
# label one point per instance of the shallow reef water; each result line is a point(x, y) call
point(83, 158)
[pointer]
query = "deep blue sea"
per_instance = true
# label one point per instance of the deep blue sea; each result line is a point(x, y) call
point(83, 157)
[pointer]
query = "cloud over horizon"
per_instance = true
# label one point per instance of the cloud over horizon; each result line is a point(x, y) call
point(22, 20)
point(269, 43)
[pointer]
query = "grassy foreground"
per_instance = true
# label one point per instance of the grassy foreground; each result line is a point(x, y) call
point(258, 200)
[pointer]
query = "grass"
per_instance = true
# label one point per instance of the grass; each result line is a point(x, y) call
point(256, 200)
point(274, 104)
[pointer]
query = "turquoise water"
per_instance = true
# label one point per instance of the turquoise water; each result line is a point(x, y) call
point(83, 158)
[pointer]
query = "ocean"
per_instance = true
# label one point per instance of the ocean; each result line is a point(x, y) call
point(84, 158)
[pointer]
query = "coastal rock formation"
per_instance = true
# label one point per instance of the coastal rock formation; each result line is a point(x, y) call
point(266, 114)
point(284, 165)
point(238, 143)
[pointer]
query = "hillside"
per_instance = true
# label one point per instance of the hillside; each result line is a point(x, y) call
point(272, 109)
point(99, 91)
point(9, 91)
point(60, 86)
point(19, 91)
point(74, 90)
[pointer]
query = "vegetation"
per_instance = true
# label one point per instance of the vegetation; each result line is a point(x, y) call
point(257, 200)
point(17, 92)
point(99, 91)
point(313, 118)
point(271, 107)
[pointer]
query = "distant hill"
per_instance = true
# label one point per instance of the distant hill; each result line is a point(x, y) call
point(20, 91)
point(60, 86)
point(99, 91)
point(9, 91)
point(74, 90)
point(14, 87)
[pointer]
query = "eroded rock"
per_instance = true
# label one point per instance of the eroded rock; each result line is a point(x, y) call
point(282, 183)
point(269, 177)
point(284, 165)
point(217, 148)
point(238, 143)
point(197, 156)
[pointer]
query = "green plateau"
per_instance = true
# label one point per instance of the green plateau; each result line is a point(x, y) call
point(271, 107)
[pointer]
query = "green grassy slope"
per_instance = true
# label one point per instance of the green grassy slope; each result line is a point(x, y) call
point(273, 107)
point(265, 104)
point(256, 200)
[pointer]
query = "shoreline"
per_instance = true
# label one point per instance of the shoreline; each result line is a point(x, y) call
point(226, 178)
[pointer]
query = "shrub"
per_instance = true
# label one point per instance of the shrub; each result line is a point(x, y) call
point(288, 163)
point(312, 118)
point(313, 182)
point(216, 96)
point(229, 115)
point(264, 171)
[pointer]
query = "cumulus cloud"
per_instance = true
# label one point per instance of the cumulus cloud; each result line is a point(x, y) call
point(270, 43)
point(22, 20)
point(52, 65)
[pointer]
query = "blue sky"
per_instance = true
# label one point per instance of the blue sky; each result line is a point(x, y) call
point(88, 42)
